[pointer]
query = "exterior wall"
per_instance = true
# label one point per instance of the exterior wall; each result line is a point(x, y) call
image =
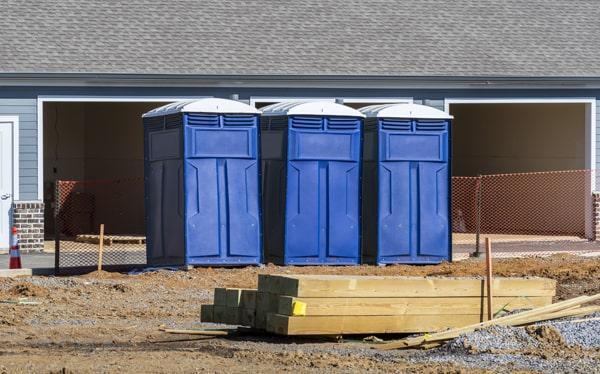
point(26, 109)
point(508, 138)
point(596, 215)
point(597, 163)
point(28, 218)
point(22, 101)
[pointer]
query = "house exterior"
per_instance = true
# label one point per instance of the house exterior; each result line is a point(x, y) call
point(521, 78)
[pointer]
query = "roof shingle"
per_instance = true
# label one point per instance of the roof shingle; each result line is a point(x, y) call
point(533, 38)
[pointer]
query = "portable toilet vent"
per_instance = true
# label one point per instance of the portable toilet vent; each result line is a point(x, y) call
point(406, 184)
point(311, 181)
point(202, 183)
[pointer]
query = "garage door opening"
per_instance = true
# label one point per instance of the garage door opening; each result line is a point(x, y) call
point(97, 148)
point(531, 158)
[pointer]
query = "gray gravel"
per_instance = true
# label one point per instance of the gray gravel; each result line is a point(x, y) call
point(506, 363)
point(585, 334)
point(493, 338)
point(499, 347)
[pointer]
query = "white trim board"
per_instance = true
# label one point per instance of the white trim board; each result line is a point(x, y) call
point(590, 135)
point(87, 99)
point(15, 154)
point(590, 132)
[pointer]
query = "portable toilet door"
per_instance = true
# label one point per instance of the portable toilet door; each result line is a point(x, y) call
point(406, 184)
point(311, 161)
point(203, 183)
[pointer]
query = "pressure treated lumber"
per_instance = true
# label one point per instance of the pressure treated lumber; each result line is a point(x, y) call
point(514, 319)
point(246, 317)
point(234, 296)
point(248, 299)
point(219, 313)
point(373, 306)
point(196, 332)
point(220, 296)
point(265, 303)
point(206, 313)
point(333, 325)
point(372, 286)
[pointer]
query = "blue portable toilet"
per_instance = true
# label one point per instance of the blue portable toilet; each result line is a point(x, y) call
point(406, 184)
point(311, 181)
point(202, 183)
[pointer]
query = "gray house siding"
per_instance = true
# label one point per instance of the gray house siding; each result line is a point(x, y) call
point(597, 135)
point(22, 101)
point(26, 110)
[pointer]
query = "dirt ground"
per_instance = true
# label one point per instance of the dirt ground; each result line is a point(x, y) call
point(108, 322)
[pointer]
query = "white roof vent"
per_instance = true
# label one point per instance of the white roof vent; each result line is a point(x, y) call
point(310, 108)
point(208, 105)
point(404, 111)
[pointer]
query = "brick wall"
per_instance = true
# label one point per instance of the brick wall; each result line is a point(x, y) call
point(596, 213)
point(28, 217)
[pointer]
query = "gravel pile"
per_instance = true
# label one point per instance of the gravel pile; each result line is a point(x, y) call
point(507, 363)
point(585, 334)
point(494, 338)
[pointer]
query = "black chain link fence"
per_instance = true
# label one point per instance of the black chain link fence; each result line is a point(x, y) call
point(81, 207)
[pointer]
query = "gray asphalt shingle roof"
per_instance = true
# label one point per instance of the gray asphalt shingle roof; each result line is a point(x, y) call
point(532, 38)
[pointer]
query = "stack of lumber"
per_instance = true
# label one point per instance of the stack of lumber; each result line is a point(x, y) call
point(335, 305)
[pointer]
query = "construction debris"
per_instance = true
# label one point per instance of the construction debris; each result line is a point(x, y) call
point(567, 308)
point(110, 239)
point(197, 332)
point(336, 305)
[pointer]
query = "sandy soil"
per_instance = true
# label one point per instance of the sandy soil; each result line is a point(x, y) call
point(108, 322)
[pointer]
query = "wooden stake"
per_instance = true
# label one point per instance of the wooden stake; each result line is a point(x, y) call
point(101, 248)
point(488, 261)
point(197, 332)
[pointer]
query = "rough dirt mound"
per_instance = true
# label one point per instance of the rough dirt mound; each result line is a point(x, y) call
point(546, 334)
point(101, 274)
point(568, 270)
point(28, 290)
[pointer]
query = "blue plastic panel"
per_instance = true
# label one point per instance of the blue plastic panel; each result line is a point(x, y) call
point(413, 147)
point(413, 192)
point(164, 195)
point(322, 219)
point(222, 190)
point(223, 143)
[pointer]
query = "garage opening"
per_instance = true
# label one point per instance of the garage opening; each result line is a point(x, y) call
point(519, 169)
point(97, 150)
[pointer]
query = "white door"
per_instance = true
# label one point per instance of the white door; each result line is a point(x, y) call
point(6, 182)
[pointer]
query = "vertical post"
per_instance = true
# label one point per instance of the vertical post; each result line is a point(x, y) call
point(101, 247)
point(478, 184)
point(56, 227)
point(488, 262)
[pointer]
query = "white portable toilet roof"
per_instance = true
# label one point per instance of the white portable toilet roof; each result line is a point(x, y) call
point(208, 105)
point(404, 110)
point(310, 108)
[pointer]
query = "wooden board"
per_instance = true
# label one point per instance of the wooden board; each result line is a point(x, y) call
point(339, 325)
point(248, 299)
point(373, 286)
point(232, 316)
point(110, 239)
point(246, 317)
point(219, 312)
point(373, 306)
point(234, 296)
point(265, 303)
point(220, 296)
point(206, 313)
